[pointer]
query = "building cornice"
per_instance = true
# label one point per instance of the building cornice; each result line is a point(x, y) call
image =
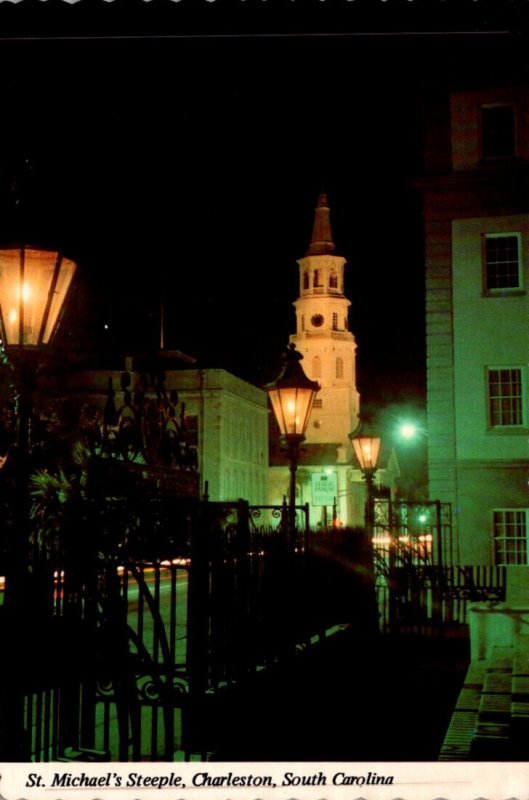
point(473, 193)
point(470, 464)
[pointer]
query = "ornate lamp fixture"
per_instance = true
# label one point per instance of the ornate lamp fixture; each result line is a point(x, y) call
point(34, 284)
point(292, 396)
point(33, 288)
point(366, 445)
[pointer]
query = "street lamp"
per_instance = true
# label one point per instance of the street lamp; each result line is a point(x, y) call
point(409, 431)
point(34, 283)
point(292, 396)
point(33, 287)
point(367, 447)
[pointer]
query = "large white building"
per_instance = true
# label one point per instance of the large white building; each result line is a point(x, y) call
point(226, 417)
point(476, 202)
point(328, 478)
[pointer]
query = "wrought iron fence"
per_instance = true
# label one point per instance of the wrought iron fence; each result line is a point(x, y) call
point(418, 586)
point(159, 640)
point(150, 610)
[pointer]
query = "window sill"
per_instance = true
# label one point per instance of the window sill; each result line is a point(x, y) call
point(504, 293)
point(508, 430)
point(500, 160)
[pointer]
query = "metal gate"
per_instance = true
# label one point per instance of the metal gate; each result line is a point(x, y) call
point(419, 586)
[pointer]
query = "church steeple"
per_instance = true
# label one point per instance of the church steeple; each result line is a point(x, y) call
point(321, 242)
point(323, 336)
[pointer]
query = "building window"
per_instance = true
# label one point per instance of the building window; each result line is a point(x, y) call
point(305, 280)
point(317, 278)
point(498, 131)
point(303, 322)
point(510, 535)
point(333, 280)
point(316, 367)
point(505, 398)
point(339, 367)
point(335, 325)
point(501, 261)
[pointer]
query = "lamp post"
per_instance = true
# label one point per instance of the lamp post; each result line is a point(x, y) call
point(292, 396)
point(34, 283)
point(367, 447)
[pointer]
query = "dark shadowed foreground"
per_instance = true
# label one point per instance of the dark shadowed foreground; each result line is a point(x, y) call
point(377, 700)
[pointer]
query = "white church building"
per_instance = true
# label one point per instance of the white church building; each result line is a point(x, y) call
point(328, 478)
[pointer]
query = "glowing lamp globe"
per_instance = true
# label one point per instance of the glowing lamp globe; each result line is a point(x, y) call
point(33, 288)
point(366, 447)
point(408, 430)
point(292, 396)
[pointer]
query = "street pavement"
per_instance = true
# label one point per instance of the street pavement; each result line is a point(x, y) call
point(352, 698)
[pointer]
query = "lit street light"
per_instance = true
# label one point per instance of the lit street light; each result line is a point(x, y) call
point(34, 284)
point(409, 431)
point(367, 447)
point(33, 287)
point(292, 396)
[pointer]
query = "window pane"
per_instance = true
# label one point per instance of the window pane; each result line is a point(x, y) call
point(497, 131)
point(510, 536)
point(502, 262)
point(505, 397)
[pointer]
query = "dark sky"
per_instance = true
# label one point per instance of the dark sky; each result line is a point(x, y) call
point(190, 167)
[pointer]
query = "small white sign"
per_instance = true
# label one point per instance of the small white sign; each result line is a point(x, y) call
point(324, 488)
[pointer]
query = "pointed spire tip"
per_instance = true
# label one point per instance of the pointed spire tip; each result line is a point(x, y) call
point(321, 242)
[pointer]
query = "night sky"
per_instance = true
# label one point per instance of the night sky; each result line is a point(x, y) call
point(189, 168)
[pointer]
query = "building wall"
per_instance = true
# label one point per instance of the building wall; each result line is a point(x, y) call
point(440, 363)
point(484, 486)
point(477, 466)
point(335, 412)
point(465, 114)
point(233, 432)
point(488, 331)
point(232, 417)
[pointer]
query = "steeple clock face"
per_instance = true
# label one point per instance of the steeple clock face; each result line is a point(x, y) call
point(317, 320)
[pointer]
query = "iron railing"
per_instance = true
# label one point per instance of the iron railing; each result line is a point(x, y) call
point(159, 641)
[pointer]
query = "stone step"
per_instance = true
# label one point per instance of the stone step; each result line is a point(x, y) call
point(459, 736)
point(498, 682)
point(520, 663)
point(494, 709)
point(468, 699)
point(501, 659)
point(520, 688)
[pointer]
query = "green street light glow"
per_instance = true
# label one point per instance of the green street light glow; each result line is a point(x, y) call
point(408, 430)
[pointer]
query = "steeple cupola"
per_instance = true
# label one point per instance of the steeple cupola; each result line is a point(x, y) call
point(321, 274)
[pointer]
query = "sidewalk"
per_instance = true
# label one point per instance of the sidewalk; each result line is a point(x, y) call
point(349, 700)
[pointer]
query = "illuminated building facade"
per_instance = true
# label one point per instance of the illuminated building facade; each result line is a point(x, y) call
point(327, 478)
point(475, 203)
point(226, 419)
point(232, 421)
